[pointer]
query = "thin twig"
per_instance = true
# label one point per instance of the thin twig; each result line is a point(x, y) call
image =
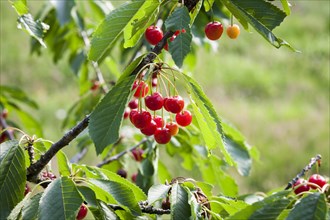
point(80, 155)
point(144, 209)
point(4, 126)
point(117, 156)
point(302, 173)
point(30, 151)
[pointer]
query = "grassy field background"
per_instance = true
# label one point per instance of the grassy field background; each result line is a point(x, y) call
point(277, 98)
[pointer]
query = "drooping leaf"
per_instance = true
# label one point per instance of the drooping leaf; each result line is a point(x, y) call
point(143, 18)
point(207, 118)
point(61, 198)
point(180, 208)
point(63, 164)
point(12, 176)
point(106, 119)
point(36, 29)
point(20, 6)
point(180, 46)
point(313, 206)
point(30, 210)
point(63, 10)
point(195, 12)
point(261, 15)
point(157, 192)
point(120, 192)
point(111, 28)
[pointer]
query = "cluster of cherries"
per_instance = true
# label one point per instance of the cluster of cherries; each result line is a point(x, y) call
point(213, 30)
point(152, 124)
point(303, 185)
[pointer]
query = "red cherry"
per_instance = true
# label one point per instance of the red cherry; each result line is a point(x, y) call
point(153, 35)
point(141, 89)
point(176, 33)
point(154, 82)
point(4, 113)
point(174, 104)
point(166, 204)
point(302, 188)
point(122, 173)
point(318, 180)
point(95, 85)
point(154, 102)
point(213, 30)
point(162, 135)
point(132, 113)
point(149, 129)
point(133, 104)
point(137, 154)
point(173, 127)
point(27, 189)
point(159, 121)
point(133, 177)
point(126, 113)
point(141, 119)
point(184, 118)
point(82, 212)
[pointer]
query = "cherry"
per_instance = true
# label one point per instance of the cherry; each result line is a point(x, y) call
point(302, 188)
point(82, 212)
point(48, 176)
point(4, 113)
point(318, 180)
point(166, 204)
point(126, 113)
point(122, 173)
point(141, 89)
point(154, 82)
point(154, 102)
point(133, 104)
point(95, 85)
point(173, 127)
point(137, 154)
point(233, 31)
point(174, 104)
point(159, 121)
point(141, 119)
point(213, 30)
point(149, 129)
point(176, 33)
point(162, 135)
point(133, 177)
point(27, 189)
point(132, 113)
point(153, 35)
point(184, 118)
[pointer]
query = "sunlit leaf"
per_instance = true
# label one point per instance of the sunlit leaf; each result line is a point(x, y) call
point(20, 6)
point(180, 208)
point(157, 192)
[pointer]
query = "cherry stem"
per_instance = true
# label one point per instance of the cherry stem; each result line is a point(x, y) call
point(304, 170)
point(231, 20)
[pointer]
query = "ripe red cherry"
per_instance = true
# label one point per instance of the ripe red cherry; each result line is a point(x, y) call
point(213, 30)
point(318, 180)
point(133, 177)
point(173, 127)
point(154, 82)
point(133, 104)
point(141, 119)
point(27, 189)
point(95, 85)
point(176, 33)
point(137, 154)
point(122, 173)
point(184, 118)
point(162, 135)
point(154, 102)
point(82, 212)
point(153, 35)
point(126, 113)
point(149, 129)
point(159, 121)
point(141, 89)
point(132, 113)
point(174, 104)
point(302, 188)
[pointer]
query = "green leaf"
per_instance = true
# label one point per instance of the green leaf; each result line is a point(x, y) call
point(180, 46)
point(18, 94)
point(36, 29)
point(106, 119)
point(207, 118)
point(157, 192)
point(64, 165)
point(20, 6)
point(30, 209)
point(30, 124)
point(61, 198)
point(111, 28)
point(262, 16)
point(144, 17)
point(208, 5)
point(312, 206)
point(180, 208)
point(12, 176)
point(63, 10)
point(163, 173)
point(195, 12)
point(106, 212)
point(120, 192)
point(270, 211)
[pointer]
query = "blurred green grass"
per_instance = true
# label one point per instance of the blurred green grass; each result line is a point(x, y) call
point(278, 99)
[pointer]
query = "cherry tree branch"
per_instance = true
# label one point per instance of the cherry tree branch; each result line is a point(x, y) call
point(304, 170)
point(145, 208)
point(4, 126)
